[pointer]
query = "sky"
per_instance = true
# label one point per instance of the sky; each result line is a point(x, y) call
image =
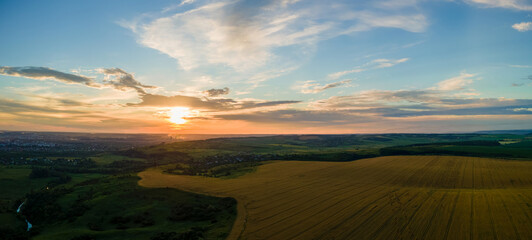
point(266, 67)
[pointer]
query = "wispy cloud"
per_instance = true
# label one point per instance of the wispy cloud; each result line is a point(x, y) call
point(456, 83)
point(521, 66)
point(119, 79)
point(522, 27)
point(122, 80)
point(245, 34)
point(314, 87)
point(12, 106)
point(340, 74)
point(44, 73)
point(522, 109)
point(22, 115)
point(438, 95)
point(205, 104)
point(113, 77)
point(217, 92)
point(368, 20)
point(447, 102)
point(375, 64)
point(510, 4)
point(378, 98)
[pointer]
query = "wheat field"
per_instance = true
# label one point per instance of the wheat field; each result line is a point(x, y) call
point(406, 197)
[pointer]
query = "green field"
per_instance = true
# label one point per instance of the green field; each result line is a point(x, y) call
point(100, 206)
point(408, 197)
point(15, 184)
point(222, 157)
point(116, 208)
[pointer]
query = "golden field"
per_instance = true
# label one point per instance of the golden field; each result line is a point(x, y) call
point(407, 197)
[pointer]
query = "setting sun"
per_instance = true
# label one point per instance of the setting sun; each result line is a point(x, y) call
point(272, 119)
point(177, 115)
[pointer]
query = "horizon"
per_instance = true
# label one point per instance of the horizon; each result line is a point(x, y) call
point(277, 134)
point(276, 67)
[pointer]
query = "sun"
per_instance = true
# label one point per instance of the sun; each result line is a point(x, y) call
point(178, 115)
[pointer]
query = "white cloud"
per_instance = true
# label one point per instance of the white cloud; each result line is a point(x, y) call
point(257, 78)
point(369, 20)
point(456, 83)
point(187, 2)
point(521, 66)
point(443, 94)
point(337, 75)
point(522, 27)
point(384, 63)
point(247, 37)
point(314, 87)
point(375, 64)
point(510, 4)
point(522, 109)
point(218, 34)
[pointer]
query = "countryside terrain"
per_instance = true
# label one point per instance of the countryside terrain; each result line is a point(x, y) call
point(395, 197)
point(378, 186)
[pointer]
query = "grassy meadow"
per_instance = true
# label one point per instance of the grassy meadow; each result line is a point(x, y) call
point(102, 206)
point(396, 197)
point(117, 208)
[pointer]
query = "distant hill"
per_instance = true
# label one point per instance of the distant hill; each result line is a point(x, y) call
point(517, 132)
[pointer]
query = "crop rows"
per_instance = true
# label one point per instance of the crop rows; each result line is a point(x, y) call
point(414, 197)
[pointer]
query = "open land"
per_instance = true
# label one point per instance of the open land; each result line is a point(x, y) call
point(406, 197)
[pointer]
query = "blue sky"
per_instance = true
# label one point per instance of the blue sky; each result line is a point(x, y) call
point(282, 66)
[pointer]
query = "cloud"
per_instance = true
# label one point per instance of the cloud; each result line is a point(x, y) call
point(404, 104)
point(510, 4)
point(337, 75)
point(11, 106)
point(438, 95)
point(42, 73)
point(246, 34)
point(410, 22)
point(122, 80)
point(20, 115)
point(217, 92)
point(387, 115)
point(153, 100)
point(377, 99)
point(176, 6)
point(301, 117)
point(375, 64)
point(442, 100)
point(522, 110)
point(521, 66)
point(313, 87)
point(385, 63)
point(456, 83)
point(207, 104)
point(257, 78)
point(491, 110)
point(186, 2)
point(259, 104)
point(119, 79)
point(61, 101)
point(522, 27)
point(113, 77)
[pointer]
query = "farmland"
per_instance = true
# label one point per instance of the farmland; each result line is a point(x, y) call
point(408, 197)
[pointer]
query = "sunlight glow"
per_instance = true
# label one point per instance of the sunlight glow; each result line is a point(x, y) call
point(178, 115)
